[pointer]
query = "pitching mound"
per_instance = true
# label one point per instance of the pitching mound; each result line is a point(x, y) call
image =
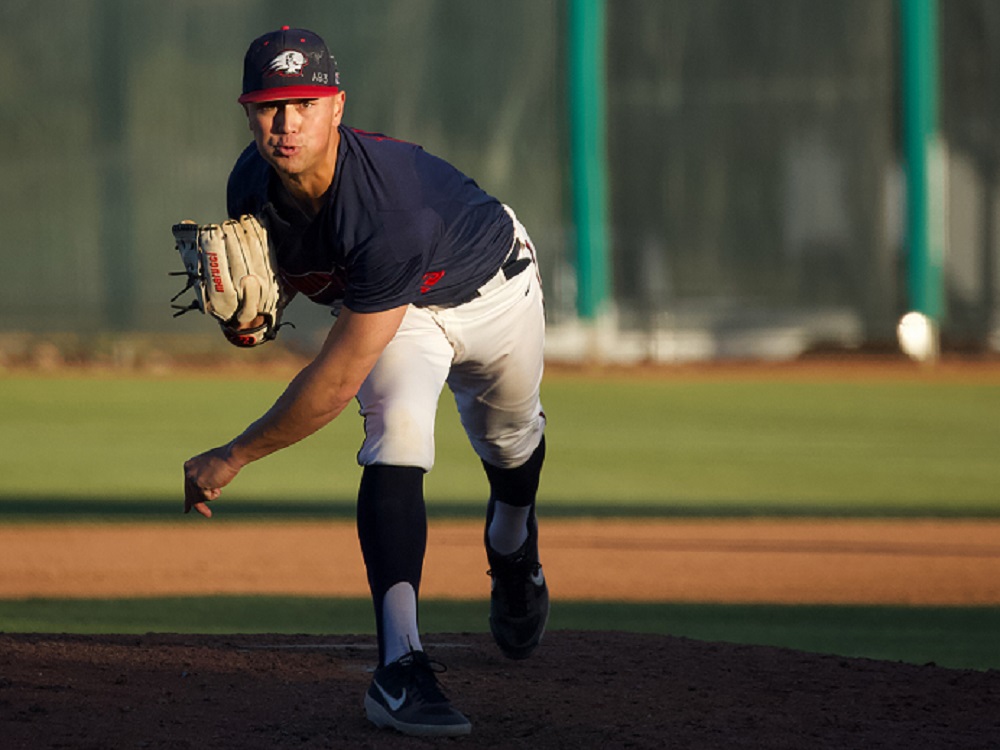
point(581, 690)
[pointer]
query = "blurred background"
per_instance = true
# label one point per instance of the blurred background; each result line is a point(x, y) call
point(751, 157)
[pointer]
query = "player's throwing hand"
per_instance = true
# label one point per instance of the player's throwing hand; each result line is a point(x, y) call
point(204, 477)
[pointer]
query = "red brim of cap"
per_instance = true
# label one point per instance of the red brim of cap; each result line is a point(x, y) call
point(280, 93)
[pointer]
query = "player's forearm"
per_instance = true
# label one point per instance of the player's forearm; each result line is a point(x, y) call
point(324, 387)
point(307, 405)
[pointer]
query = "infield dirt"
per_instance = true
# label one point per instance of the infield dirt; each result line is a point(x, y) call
point(601, 690)
point(925, 562)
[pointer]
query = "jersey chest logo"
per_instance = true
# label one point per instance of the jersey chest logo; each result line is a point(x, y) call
point(323, 287)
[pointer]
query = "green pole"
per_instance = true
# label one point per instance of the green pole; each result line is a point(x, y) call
point(587, 82)
point(923, 156)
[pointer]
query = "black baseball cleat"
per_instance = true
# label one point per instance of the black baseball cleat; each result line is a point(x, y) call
point(519, 598)
point(405, 695)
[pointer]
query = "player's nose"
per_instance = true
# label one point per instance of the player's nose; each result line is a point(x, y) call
point(286, 119)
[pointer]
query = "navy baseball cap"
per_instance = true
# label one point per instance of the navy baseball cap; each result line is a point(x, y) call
point(288, 64)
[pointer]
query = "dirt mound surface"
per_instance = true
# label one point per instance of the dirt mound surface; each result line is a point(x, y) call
point(601, 690)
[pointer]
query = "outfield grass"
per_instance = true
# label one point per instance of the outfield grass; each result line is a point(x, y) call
point(957, 637)
point(629, 446)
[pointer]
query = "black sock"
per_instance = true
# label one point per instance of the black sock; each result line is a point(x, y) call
point(518, 486)
point(392, 529)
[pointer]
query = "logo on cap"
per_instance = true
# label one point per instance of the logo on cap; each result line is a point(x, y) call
point(287, 64)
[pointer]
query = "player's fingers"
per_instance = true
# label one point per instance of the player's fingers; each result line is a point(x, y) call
point(190, 495)
point(196, 497)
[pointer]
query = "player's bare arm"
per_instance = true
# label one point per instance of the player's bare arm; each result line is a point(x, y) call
point(323, 388)
point(312, 400)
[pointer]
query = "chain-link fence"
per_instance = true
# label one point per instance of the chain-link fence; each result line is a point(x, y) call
point(756, 199)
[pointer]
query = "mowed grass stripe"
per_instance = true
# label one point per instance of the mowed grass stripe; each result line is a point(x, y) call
point(673, 446)
point(955, 637)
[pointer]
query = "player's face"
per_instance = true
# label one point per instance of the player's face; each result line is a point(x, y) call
point(298, 137)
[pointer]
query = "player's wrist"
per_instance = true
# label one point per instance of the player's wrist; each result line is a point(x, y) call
point(235, 455)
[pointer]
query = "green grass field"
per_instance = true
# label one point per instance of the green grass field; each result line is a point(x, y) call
point(112, 449)
point(956, 637)
point(615, 447)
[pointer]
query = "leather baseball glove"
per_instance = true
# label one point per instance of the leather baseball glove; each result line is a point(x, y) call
point(232, 268)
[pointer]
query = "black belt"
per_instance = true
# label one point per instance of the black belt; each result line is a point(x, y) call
point(511, 267)
point(514, 265)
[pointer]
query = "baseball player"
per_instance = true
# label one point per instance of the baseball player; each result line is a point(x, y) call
point(432, 282)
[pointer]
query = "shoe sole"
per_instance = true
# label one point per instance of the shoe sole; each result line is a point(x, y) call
point(379, 716)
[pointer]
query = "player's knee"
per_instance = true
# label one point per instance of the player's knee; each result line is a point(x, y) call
point(511, 449)
point(398, 437)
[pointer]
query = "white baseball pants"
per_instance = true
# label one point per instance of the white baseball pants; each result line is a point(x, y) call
point(490, 353)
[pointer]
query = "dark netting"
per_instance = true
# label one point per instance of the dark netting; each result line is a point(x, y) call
point(121, 118)
point(753, 169)
point(755, 172)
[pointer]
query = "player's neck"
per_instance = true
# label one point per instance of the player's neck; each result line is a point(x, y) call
point(309, 190)
point(304, 195)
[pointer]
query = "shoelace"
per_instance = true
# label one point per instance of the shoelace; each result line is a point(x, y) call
point(421, 672)
point(515, 584)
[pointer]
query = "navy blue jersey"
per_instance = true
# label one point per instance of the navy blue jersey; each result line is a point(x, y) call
point(398, 226)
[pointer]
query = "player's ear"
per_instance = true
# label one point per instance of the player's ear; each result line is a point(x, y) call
point(338, 105)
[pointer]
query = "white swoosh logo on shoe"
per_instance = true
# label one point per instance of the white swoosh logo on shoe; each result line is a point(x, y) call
point(394, 703)
point(538, 578)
